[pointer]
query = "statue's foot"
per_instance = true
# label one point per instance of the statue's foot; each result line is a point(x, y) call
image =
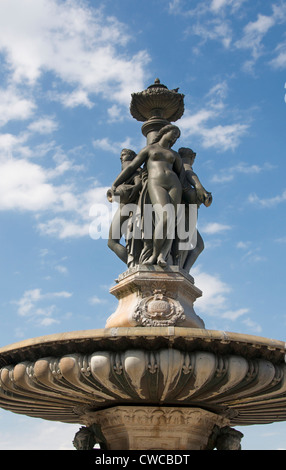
point(150, 260)
point(161, 261)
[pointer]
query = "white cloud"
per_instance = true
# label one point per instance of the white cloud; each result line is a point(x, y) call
point(242, 245)
point(26, 303)
point(44, 125)
point(215, 292)
point(234, 314)
point(211, 20)
point(267, 202)
point(223, 137)
point(79, 45)
point(279, 12)
point(13, 106)
point(107, 145)
point(203, 122)
point(62, 210)
point(10, 144)
point(260, 26)
point(83, 216)
point(205, 7)
point(115, 113)
point(39, 434)
point(214, 227)
point(73, 99)
point(96, 300)
point(215, 29)
point(218, 5)
point(228, 174)
point(255, 31)
point(48, 321)
point(61, 227)
point(250, 254)
point(28, 186)
point(61, 269)
point(174, 5)
point(218, 94)
point(28, 306)
point(254, 326)
point(279, 62)
point(23, 186)
point(214, 20)
point(215, 299)
point(281, 240)
point(253, 256)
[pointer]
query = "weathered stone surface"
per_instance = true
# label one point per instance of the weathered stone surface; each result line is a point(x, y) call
point(120, 339)
point(62, 377)
point(153, 296)
point(155, 428)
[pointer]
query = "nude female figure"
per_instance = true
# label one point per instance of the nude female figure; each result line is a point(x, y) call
point(193, 193)
point(128, 191)
point(164, 166)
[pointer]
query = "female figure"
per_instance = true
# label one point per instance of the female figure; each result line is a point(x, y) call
point(164, 166)
point(193, 193)
point(128, 192)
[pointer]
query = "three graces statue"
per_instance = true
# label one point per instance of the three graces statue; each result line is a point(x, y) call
point(158, 195)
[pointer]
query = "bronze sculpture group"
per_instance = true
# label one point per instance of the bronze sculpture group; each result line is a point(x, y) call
point(153, 186)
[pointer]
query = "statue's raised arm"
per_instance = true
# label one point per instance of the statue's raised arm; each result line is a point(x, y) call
point(130, 170)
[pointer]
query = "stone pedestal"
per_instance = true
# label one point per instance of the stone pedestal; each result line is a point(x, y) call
point(155, 428)
point(154, 296)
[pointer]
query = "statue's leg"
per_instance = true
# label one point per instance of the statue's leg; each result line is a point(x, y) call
point(193, 254)
point(159, 198)
point(169, 221)
point(164, 204)
point(115, 236)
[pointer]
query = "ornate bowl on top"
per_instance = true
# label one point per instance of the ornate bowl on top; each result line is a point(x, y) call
point(157, 101)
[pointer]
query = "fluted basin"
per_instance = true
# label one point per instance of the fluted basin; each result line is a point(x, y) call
point(64, 377)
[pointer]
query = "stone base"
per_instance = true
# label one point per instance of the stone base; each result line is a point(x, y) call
point(155, 296)
point(155, 428)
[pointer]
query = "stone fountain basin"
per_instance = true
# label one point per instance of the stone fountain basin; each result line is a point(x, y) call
point(65, 377)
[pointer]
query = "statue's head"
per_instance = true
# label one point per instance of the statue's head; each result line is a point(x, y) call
point(174, 130)
point(187, 154)
point(127, 155)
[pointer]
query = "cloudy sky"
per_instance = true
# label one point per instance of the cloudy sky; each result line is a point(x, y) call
point(68, 68)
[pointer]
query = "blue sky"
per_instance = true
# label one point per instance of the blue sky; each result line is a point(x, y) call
point(68, 69)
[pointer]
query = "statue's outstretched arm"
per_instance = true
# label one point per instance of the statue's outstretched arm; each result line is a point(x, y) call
point(203, 195)
point(131, 168)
